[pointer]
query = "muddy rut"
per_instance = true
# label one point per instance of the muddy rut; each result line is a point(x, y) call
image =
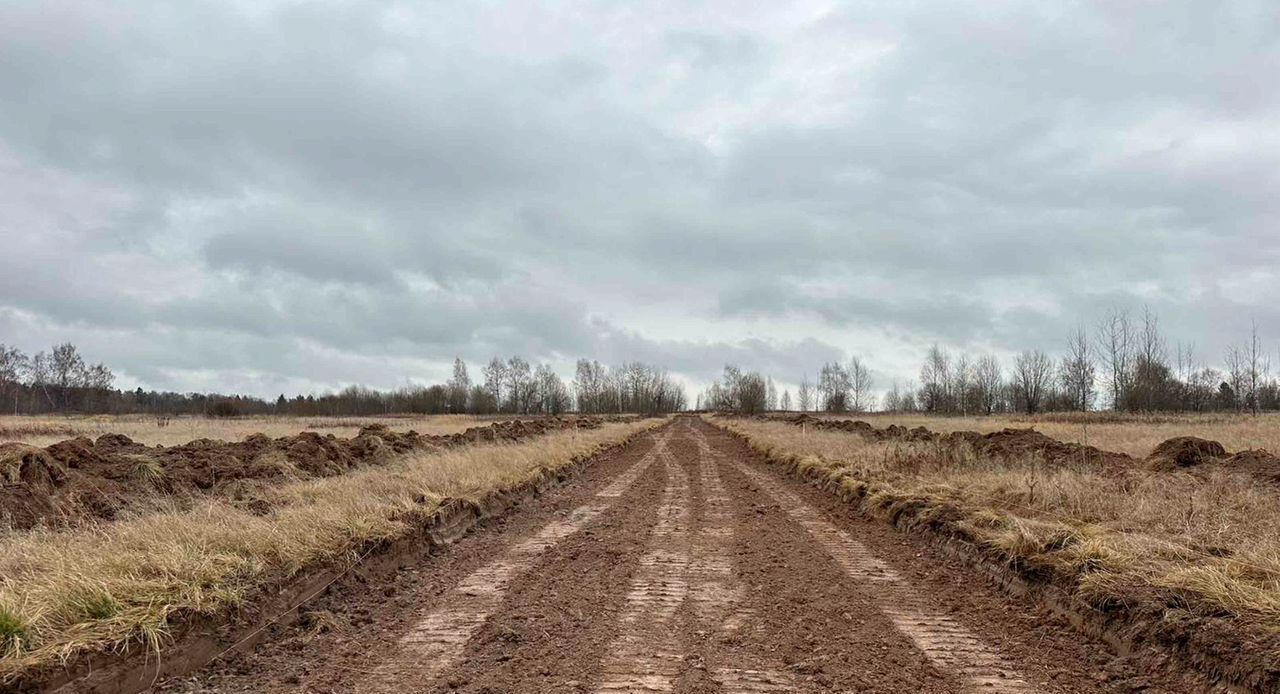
point(681, 563)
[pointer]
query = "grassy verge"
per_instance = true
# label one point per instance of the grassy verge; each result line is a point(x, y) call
point(64, 593)
point(1171, 549)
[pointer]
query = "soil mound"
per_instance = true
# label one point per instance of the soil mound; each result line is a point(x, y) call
point(1017, 443)
point(1261, 464)
point(1178, 453)
point(1008, 443)
point(1183, 452)
point(80, 479)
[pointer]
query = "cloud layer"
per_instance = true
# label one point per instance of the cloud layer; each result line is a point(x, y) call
point(284, 196)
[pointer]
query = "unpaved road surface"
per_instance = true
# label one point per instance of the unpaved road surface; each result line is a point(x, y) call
point(681, 563)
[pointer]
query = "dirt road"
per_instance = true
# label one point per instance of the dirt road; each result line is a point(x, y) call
point(681, 564)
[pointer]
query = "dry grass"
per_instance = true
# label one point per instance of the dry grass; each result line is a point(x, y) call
point(1135, 435)
point(42, 431)
point(1214, 541)
point(64, 592)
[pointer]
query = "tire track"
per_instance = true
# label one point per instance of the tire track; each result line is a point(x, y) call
point(943, 640)
point(440, 637)
point(690, 570)
point(643, 657)
point(722, 594)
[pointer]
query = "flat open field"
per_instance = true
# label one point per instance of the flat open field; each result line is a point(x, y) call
point(1135, 435)
point(658, 555)
point(173, 431)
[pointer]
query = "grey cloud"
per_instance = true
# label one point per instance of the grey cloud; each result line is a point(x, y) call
point(338, 192)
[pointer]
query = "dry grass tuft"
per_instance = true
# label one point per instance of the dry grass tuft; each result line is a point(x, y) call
point(14, 632)
point(121, 583)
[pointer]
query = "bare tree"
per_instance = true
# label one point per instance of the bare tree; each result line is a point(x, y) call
point(746, 393)
point(550, 394)
point(1114, 339)
point(1186, 364)
point(1200, 388)
point(459, 385)
point(805, 394)
point(591, 385)
point(935, 379)
point(833, 386)
point(987, 380)
point(1237, 375)
point(752, 393)
point(962, 384)
point(785, 403)
point(13, 366)
point(495, 380)
point(1257, 367)
point(1077, 370)
point(893, 398)
point(66, 366)
point(1032, 372)
point(860, 384)
point(1150, 385)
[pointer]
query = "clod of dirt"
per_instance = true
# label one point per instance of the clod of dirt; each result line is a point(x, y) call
point(28, 476)
point(1184, 451)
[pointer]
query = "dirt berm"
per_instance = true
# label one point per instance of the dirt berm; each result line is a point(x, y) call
point(194, 638)
point(78, 479)
point(1007, 443)
point(1181, 453)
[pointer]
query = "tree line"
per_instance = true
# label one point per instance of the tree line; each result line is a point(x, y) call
point(60, 381)
point(1124, 364)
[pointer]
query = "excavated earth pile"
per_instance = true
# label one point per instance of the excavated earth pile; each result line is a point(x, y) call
point(1195, 455)
point(1181, 453)
point(1184, 451)
point(81, 479)
point(1007, 443)
point(1261, 464)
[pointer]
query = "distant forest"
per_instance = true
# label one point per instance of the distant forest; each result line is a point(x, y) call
point(1123, 364)
point(61, 381)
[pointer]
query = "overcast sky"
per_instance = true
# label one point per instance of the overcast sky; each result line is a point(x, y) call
point(266, 197)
